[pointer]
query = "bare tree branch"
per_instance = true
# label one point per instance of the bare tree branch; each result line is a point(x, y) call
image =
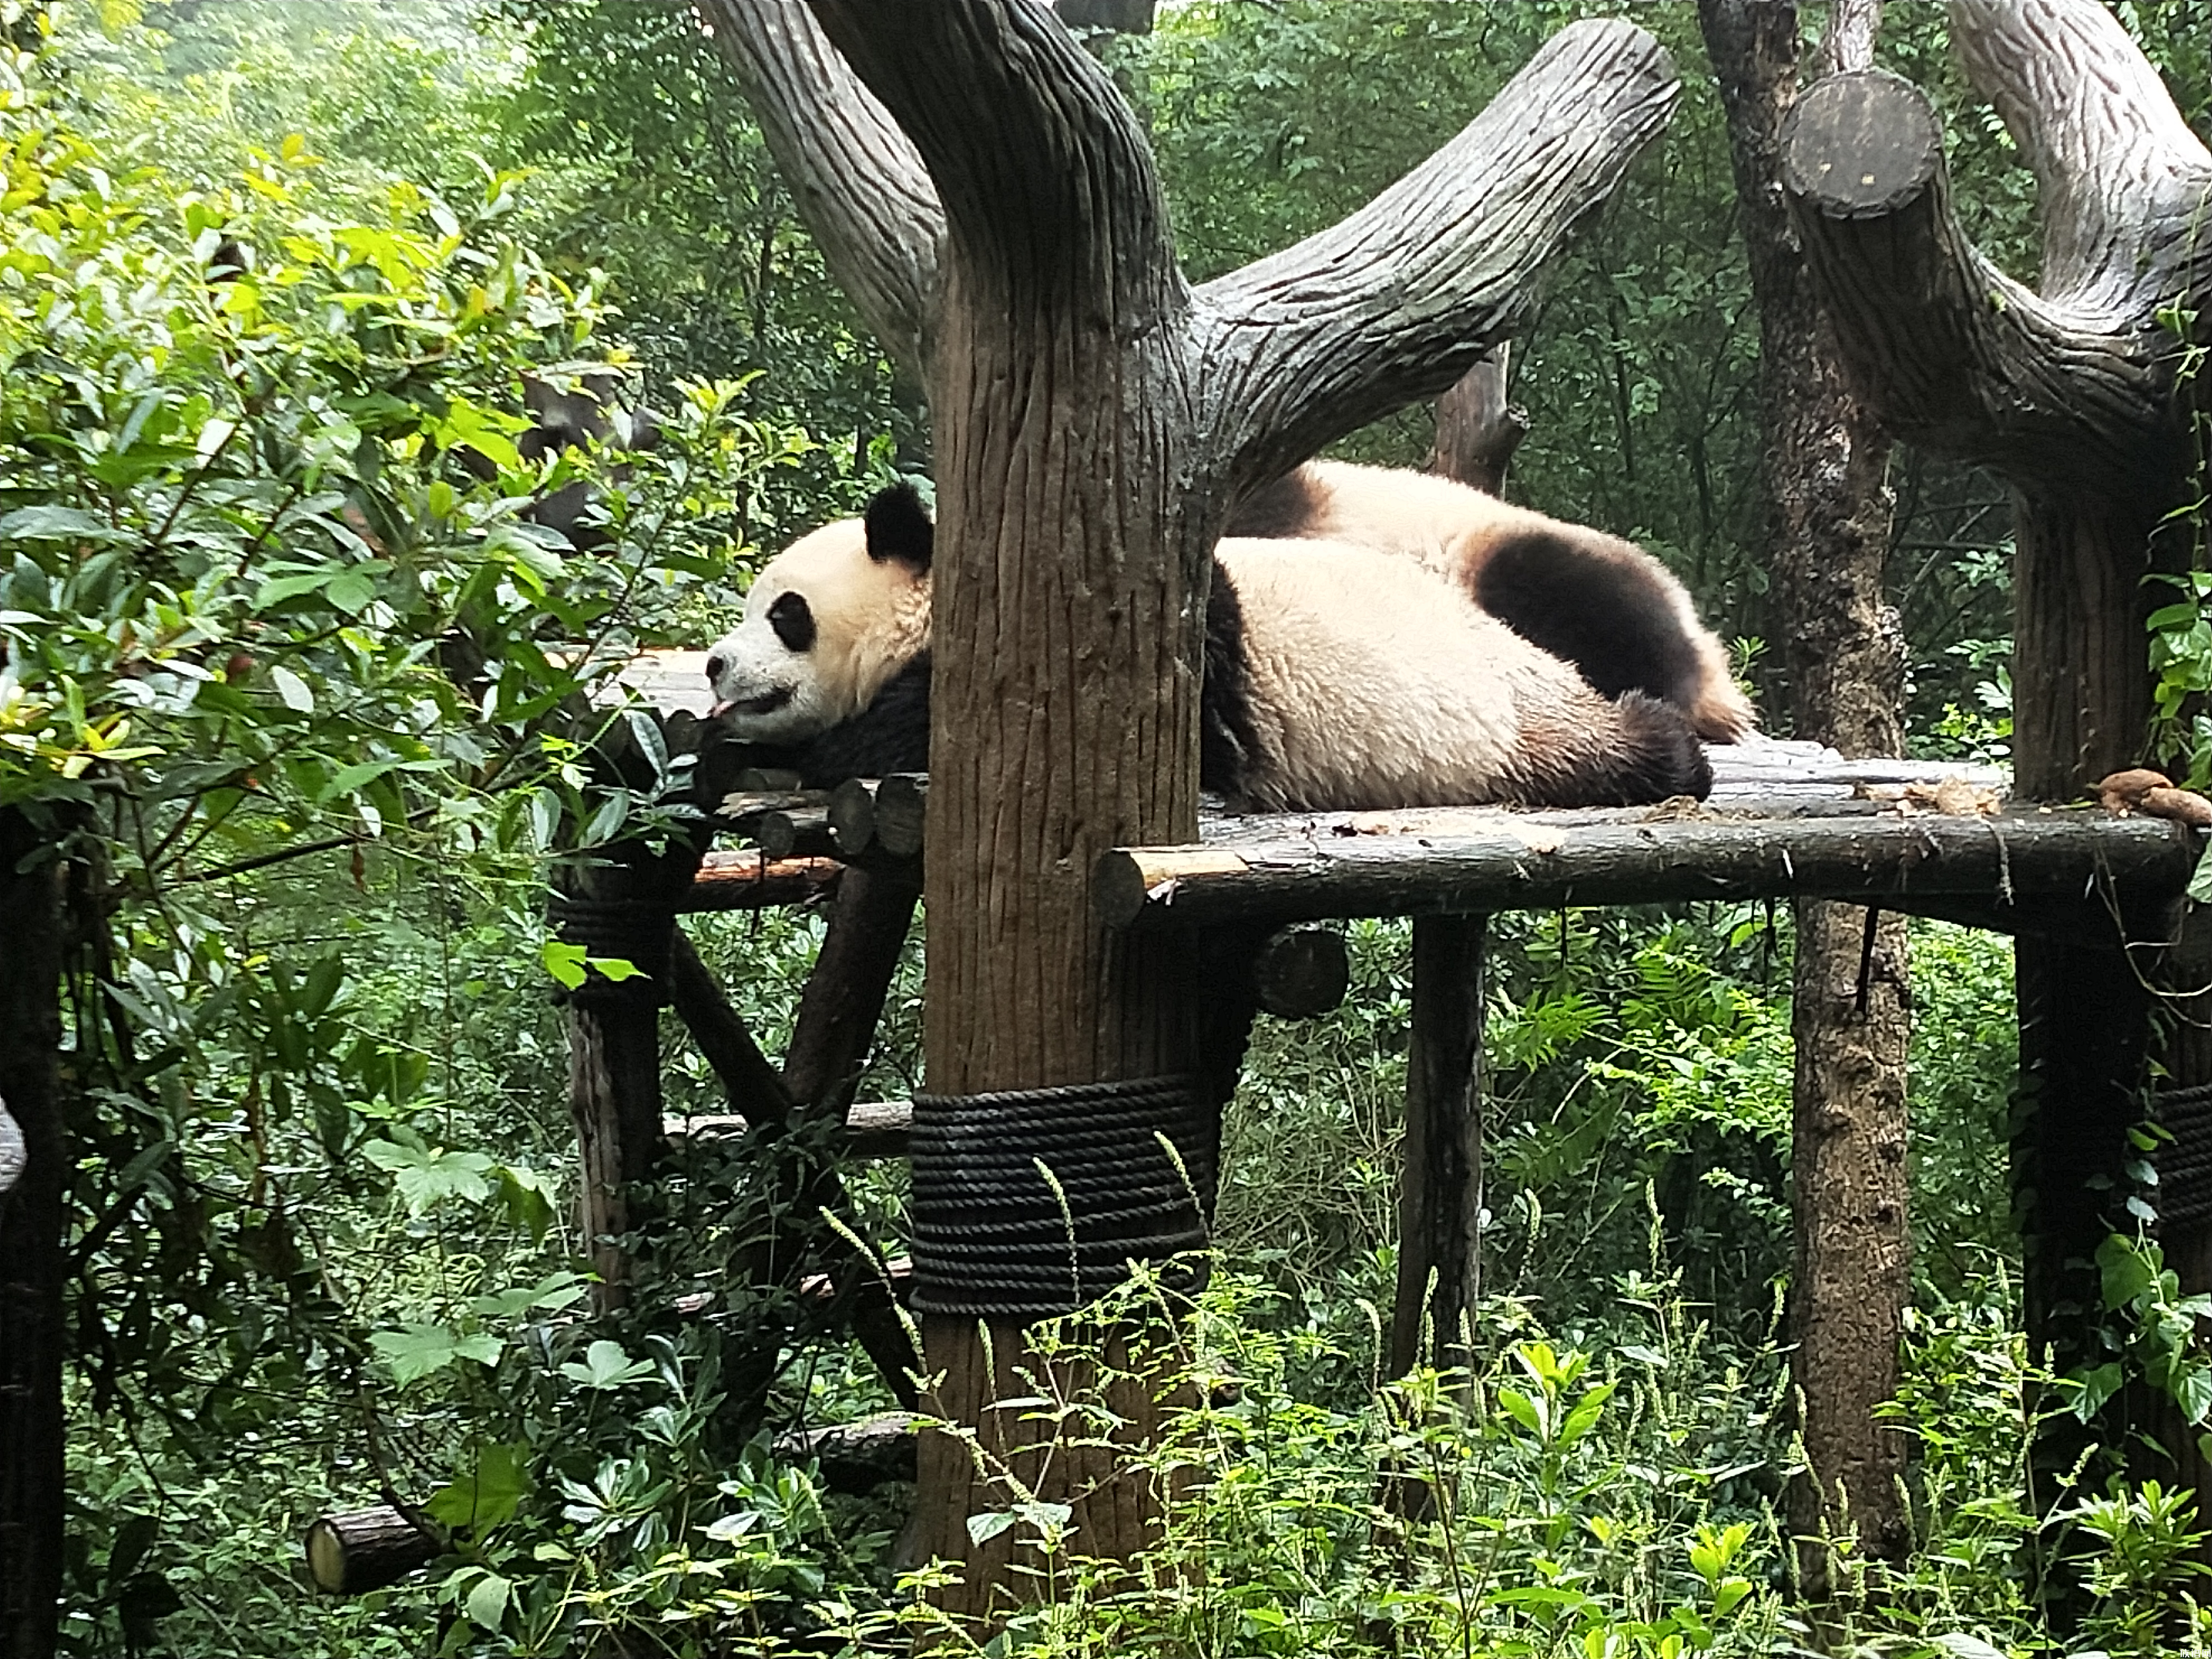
point(1027, 142)
point(1398, 300)
point(1848, 42)
point(860, 184)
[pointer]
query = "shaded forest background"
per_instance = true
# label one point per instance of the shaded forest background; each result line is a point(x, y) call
point(319, 1237)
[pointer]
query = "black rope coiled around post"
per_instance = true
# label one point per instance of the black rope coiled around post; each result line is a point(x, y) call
point(996, 1235)
point(2184, 1167)
point(632, 930)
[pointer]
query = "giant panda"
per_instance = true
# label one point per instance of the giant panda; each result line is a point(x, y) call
point(1603, 603)
point(1336, 677)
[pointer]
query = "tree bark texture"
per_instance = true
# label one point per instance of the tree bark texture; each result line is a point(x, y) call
point(2068, 391)
point(1477, 428)
point(1094, 417)
point(1440, 1190)
point(31, 1257)
point(1827, 506)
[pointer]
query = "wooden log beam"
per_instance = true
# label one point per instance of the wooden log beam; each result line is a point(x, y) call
point(1301, 973)
point(753, 881)
point(1515, 864)
point(873, 1129)
point(754, 1085)
point(1440, 1183)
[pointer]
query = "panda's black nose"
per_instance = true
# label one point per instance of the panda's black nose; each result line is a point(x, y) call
point(714, 666)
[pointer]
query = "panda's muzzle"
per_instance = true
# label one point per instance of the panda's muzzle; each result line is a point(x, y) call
point(767, 703)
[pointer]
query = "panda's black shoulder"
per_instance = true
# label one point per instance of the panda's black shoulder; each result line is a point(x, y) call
point(892, 734)
point(899, 528)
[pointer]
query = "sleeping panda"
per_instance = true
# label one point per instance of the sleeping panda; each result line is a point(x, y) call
point(1337, 677)
point(1605, 605)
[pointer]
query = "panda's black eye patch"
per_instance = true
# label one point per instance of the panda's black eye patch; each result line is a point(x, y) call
point(793, 618)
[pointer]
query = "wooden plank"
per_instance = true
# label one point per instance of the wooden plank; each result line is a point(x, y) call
point(873, 1129)
point(1517, 861)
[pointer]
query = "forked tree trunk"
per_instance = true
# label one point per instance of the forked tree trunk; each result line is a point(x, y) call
point(2067, 392)
point(989, 202)
point(34, 1180)
point(1842, 648)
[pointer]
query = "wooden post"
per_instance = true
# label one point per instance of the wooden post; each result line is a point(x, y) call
point(1440, 1189)
point(33, 1180)
point(990, 204)
point(1478, 430)
point(622, 909)
point(1842, 652)
point(2068, 391)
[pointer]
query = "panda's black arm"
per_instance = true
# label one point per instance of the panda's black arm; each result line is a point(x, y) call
point(892, 734)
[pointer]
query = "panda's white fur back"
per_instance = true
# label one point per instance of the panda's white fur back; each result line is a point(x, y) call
point(1374, 683)
point(1458, 531)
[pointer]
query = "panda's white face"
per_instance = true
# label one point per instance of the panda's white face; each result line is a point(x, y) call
point(825, 626)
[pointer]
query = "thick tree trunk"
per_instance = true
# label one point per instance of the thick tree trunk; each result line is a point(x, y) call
point(1093, 419)
point(2068, 393)
point(1827, 502)
point(34, 1180)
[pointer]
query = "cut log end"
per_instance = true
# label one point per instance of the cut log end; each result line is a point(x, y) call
point(1301, 973)
point(358, 1551)
point(1862, 145)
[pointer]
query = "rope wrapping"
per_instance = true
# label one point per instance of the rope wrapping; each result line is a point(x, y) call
point(637, 931)
point(991, 1236)
point(2185, 1168)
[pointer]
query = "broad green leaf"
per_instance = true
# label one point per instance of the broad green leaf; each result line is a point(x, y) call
point(605, 1365)
point(486, 1600)
point(294, 691)
point(982, 1528)
point(488, 1494)
point(564, 962)
point(417, 1351)
point(59, 524)
point(428, 1176)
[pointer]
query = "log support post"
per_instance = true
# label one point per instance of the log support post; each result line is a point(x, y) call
point(2070, 392)
point(34, 1163)
point(1440, 1189)
point(989, 202)
point(621, 910)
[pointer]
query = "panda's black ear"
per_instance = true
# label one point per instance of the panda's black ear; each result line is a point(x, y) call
point(899, 528)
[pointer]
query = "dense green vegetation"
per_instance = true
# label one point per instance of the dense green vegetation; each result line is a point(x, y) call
point(293, 676)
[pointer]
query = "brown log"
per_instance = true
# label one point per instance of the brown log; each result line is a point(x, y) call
point(853, 817)
point(1477, 429)
point(857, 1457)
point(794, 832)
point(753, 881)
point(1301, 973)
point(358, 1551)
point(1509, 866)
point(873, 1129)
point(844, 997)
point(901, 812)
point(33, 1220)
point(1440, 1187)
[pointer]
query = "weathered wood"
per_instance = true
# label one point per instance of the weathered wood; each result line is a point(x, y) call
point(1301, 973)
point(844, 997)
point(853, 817)
point(32, 1222)
point(1477, 428)
point(2068, 393)
point(794, 832)
point(1828, 505)
point(1440, 1180)
point(753, 881)
point(357, 1551)
point(902, 813)
point(857, 1457)
point(1514, 863)
point(873, 1129)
